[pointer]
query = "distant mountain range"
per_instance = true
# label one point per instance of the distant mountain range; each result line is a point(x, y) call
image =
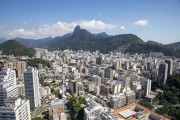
point(151, 47)
point(82, 39)
point(31, 43)
point(174, 45)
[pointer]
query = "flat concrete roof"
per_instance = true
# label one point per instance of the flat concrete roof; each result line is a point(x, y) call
point(151, 96)
point(146, 112)
point(127, 113)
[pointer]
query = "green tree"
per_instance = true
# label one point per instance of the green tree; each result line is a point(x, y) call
point(46, 115)
point(57, 94)
point(170, 97)
point(146, 104)
point(36, 61)
point(77, 109)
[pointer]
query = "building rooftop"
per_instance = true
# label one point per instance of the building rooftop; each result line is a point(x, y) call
point(129, 112)
point(129, 93)
point(151, 96)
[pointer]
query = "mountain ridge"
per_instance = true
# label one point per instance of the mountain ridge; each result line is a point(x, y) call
point(175, 45)
point(81, 39)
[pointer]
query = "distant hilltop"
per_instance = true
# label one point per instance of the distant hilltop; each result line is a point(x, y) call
point(12, 47)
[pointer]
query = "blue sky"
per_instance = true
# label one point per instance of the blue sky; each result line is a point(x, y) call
point(157, 20)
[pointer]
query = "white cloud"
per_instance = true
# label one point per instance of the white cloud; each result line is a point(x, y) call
point(61, 28)
point(20, 32)
point(122, 27)
point(141, 22)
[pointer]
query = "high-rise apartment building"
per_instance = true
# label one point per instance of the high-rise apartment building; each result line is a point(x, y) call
point(117, 101)
point(130, 97)
point(99, 60)
point(170, 66)
point(97, 80)
point(118, 65)
point(92, 111)
point(162, 73)
point(31, 82)
point(7, 91)
point(115, 87)
point(8, 86)
point(125, 80)
point(147, 87)
point(15, 109)
point(72, 86)
point(91, 86)
point(108, 73)
point(8, 75)
point(79, 88)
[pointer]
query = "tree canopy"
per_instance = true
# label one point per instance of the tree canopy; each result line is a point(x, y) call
point(36, 61)
point(170, 99)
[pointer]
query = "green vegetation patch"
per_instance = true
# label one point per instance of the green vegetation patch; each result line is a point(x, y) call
point(36, 61)
point(77, 108)
point(170, 99)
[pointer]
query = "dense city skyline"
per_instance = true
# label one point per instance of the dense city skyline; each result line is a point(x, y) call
point(89, 60)
point(150, 20)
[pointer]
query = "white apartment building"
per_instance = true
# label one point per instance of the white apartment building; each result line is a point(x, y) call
point(8, 86)
point(7, 91)
point(117, 101)
point(130, 97)
point(31, 82)
point(147, 87)
point(15, 109)
point(125, 80)
point(94, 111)
point(8, 75)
